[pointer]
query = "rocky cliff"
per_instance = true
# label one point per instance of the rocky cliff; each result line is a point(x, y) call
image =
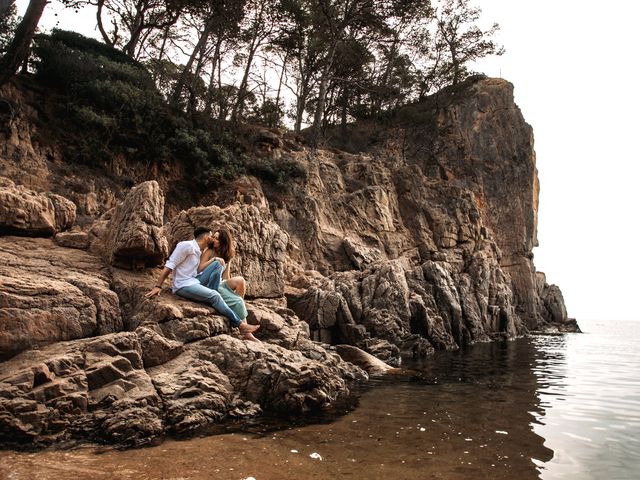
point(418, 239)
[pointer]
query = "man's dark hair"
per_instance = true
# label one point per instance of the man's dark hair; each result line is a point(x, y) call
point(199, 231)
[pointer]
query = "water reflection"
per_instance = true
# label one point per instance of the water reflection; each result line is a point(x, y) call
point(591, 397)
point(525, 409)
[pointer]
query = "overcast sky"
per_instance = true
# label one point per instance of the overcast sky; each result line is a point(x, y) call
point(573, 64)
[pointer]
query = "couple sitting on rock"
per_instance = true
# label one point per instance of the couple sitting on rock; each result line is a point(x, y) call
point(201, 272)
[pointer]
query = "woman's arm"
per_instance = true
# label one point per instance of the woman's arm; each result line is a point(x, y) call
point(207, 258)
point(226, 273)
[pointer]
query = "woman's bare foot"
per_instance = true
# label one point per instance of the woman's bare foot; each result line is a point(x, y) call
point(250, 337)
point(246, 328)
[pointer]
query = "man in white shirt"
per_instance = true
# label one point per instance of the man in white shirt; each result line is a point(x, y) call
point(183, 262)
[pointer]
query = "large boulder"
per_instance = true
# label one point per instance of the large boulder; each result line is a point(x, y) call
point(278, 379)
point(134, 235)
point(260, 243)
point(79, 240)
point(552, 307)
point(92, 388)
point(29, 213)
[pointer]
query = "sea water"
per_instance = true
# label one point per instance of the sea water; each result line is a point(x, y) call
point(550, 407)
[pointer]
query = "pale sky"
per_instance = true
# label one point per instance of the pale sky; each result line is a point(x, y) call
point(572, 64)
point(574, 67)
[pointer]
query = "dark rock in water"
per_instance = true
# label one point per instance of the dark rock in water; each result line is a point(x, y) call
point(366, 361)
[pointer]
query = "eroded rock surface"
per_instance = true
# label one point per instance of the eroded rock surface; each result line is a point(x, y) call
point(131, 387)
point(420, 241)
point(477, 138)
point(134, 237)
point(178, 368)
point(26, 212)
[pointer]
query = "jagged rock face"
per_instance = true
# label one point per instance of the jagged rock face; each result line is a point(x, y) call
point(395, 309)
point(346, 214)
point(408, 263)
point(79, 240)
point(421, 243)
point(552, 307)
point(25, 160)
point(51, 294)
point(260, 243)
point(479, 139)
point(134, 233)
point(26, 212)
point(433, 181)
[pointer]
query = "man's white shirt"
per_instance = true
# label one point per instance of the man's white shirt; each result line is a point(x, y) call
point(184, 262)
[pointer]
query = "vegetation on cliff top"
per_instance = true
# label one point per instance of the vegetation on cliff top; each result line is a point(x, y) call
point(168, 84)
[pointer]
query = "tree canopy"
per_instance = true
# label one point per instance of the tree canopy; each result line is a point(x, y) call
point(297, 63)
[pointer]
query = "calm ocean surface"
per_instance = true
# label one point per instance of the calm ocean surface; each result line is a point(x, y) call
point(550, 407)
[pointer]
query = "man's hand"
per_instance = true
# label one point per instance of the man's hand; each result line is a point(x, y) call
point(152, 292)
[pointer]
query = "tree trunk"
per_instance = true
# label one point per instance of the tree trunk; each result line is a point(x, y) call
point(103, 32)
point(136, 31)
point(210, 89)
point(242, 91)
point(319, 113)
point(377, 104)
point(19, 47)
point(194, 78)
point(301, 103)
point(256, 42)
point(322, 97)
point(161, 53)
point(282, 72)
point(175, 98)
point(344, 108)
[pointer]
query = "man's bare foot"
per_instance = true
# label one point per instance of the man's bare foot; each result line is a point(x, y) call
point(250, 337)
point(246, 328)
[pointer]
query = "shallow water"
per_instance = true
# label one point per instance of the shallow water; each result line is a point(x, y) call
point(545, 407)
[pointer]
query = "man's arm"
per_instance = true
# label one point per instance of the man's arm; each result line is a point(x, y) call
point(158, 288)
point(177, 256)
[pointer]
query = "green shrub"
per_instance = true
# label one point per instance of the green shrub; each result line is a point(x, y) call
point(112, 106)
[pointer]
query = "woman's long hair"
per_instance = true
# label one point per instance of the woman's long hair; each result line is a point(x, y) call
point(226, 250)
